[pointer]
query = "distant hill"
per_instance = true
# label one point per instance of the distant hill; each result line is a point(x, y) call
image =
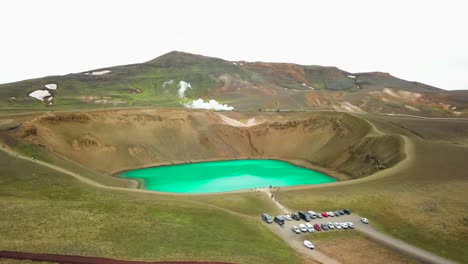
point(176, 79)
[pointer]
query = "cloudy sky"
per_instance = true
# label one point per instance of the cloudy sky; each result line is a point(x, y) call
point(423, 41)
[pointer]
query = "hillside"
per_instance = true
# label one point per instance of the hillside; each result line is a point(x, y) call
point(176, 79)
point(111, 141)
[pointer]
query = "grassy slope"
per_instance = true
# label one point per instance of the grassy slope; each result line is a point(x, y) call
point(44, 211)
point(425, 205)
point(251, 86)
point(353, 247)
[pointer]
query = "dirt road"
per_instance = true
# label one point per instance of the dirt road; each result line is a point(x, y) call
point(367, 229)
point(294, 241)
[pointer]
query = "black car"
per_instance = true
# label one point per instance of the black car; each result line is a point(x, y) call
point(296, 217)
point(304, 216)
point(341, 212)
point(279, 220)
point(347, 211)
point(324, 226)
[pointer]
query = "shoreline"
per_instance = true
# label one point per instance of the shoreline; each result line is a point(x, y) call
point(140, 183)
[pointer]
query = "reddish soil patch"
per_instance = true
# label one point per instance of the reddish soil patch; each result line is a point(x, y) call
point(85, 260)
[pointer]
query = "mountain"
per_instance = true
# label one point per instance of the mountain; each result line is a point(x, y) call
point(176, 79)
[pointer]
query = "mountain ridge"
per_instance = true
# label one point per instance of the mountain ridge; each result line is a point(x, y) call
point(243, 85)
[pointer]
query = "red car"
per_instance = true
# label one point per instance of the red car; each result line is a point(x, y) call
point(324, 214)
point(317, 227)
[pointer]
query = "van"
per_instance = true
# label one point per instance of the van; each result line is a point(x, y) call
point(279, 220)
point(267, 218)
point(304, 216)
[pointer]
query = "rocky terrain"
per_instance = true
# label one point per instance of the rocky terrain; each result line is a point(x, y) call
point(110, 141)
point(179, 79)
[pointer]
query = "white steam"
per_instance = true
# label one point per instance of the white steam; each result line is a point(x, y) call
point(183, 86)
point(211, 104)
point(166, 83)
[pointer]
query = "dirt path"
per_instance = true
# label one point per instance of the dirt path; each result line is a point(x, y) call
point(367, 230)
point(286, 233)
point(291, 238)
point(70, 259)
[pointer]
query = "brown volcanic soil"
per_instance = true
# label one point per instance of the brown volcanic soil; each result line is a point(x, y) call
point(65, 259)
point(112, 141)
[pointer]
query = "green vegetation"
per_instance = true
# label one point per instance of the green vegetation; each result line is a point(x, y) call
point(48, 212)
point(424, 205)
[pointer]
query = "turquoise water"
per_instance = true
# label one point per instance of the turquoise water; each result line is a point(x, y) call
point(223, 176)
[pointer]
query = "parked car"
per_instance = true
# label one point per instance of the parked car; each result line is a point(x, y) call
point(279, 219)
point(311, 214)
point(347, 211)
point(317, 227)
point(365, 220)
point(350, 225)
point(267, 218)
point(324, 227)
point(304, 216)
point(303, 228)
point(310, 227)
point(337, 213)
point(296, 217)
point(344, 225)
point(296, 229)
point(330, 225)
point(331, 214)
point(308, 244)
point(337, 225)
point(319, 216)
point(324, 214)
point(341, 212)
point(287, 217)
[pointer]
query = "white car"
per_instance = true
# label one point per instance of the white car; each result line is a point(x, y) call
point(330, 225)
point(331, 214)
point(337, 225)
point(303, 227)
point(365, 220)
point(287, 217)
point(310, 227)
point(344, 225)
point(308, 244)
point(311, 213)
point(296, 229)
point(350, 225)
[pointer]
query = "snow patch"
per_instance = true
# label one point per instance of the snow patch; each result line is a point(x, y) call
point(183, 86)
point(40, 94)
point(235, 63)
point(402, 94)
point(166, 83)
point(51, 86)
point(211, 104)
point(98, 72)
point(304, 84)
point(352, 76)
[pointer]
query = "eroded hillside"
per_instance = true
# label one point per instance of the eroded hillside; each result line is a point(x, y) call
point(111, 141)
point(179, 79)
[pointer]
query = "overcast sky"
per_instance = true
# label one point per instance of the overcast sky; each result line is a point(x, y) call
point(424, 41)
